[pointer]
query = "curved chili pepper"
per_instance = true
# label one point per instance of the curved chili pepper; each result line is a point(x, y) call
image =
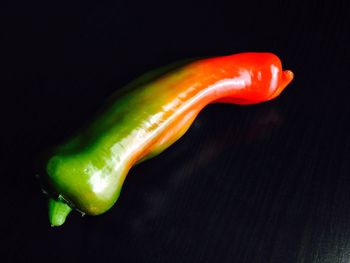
point(143, 119)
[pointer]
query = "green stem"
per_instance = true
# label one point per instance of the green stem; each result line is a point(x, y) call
point(58, 211)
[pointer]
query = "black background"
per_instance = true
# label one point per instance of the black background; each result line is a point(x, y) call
point(262, 183)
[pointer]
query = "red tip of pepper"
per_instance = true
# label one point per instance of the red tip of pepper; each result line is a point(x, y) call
point(287, 77)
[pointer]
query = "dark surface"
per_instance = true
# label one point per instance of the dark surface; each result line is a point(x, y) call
point(262, 183)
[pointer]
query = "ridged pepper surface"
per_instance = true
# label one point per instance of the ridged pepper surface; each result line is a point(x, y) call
point(144, 118)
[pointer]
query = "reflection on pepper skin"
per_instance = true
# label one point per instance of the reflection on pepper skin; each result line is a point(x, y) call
point(145, 118)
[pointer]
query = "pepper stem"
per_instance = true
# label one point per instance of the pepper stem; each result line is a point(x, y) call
point(58, 211)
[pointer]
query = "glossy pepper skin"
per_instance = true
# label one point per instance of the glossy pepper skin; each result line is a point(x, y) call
point(143, 119)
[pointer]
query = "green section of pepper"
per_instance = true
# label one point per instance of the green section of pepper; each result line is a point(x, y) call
point(89, 170)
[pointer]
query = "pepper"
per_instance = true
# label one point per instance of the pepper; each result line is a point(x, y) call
point(141, 120)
